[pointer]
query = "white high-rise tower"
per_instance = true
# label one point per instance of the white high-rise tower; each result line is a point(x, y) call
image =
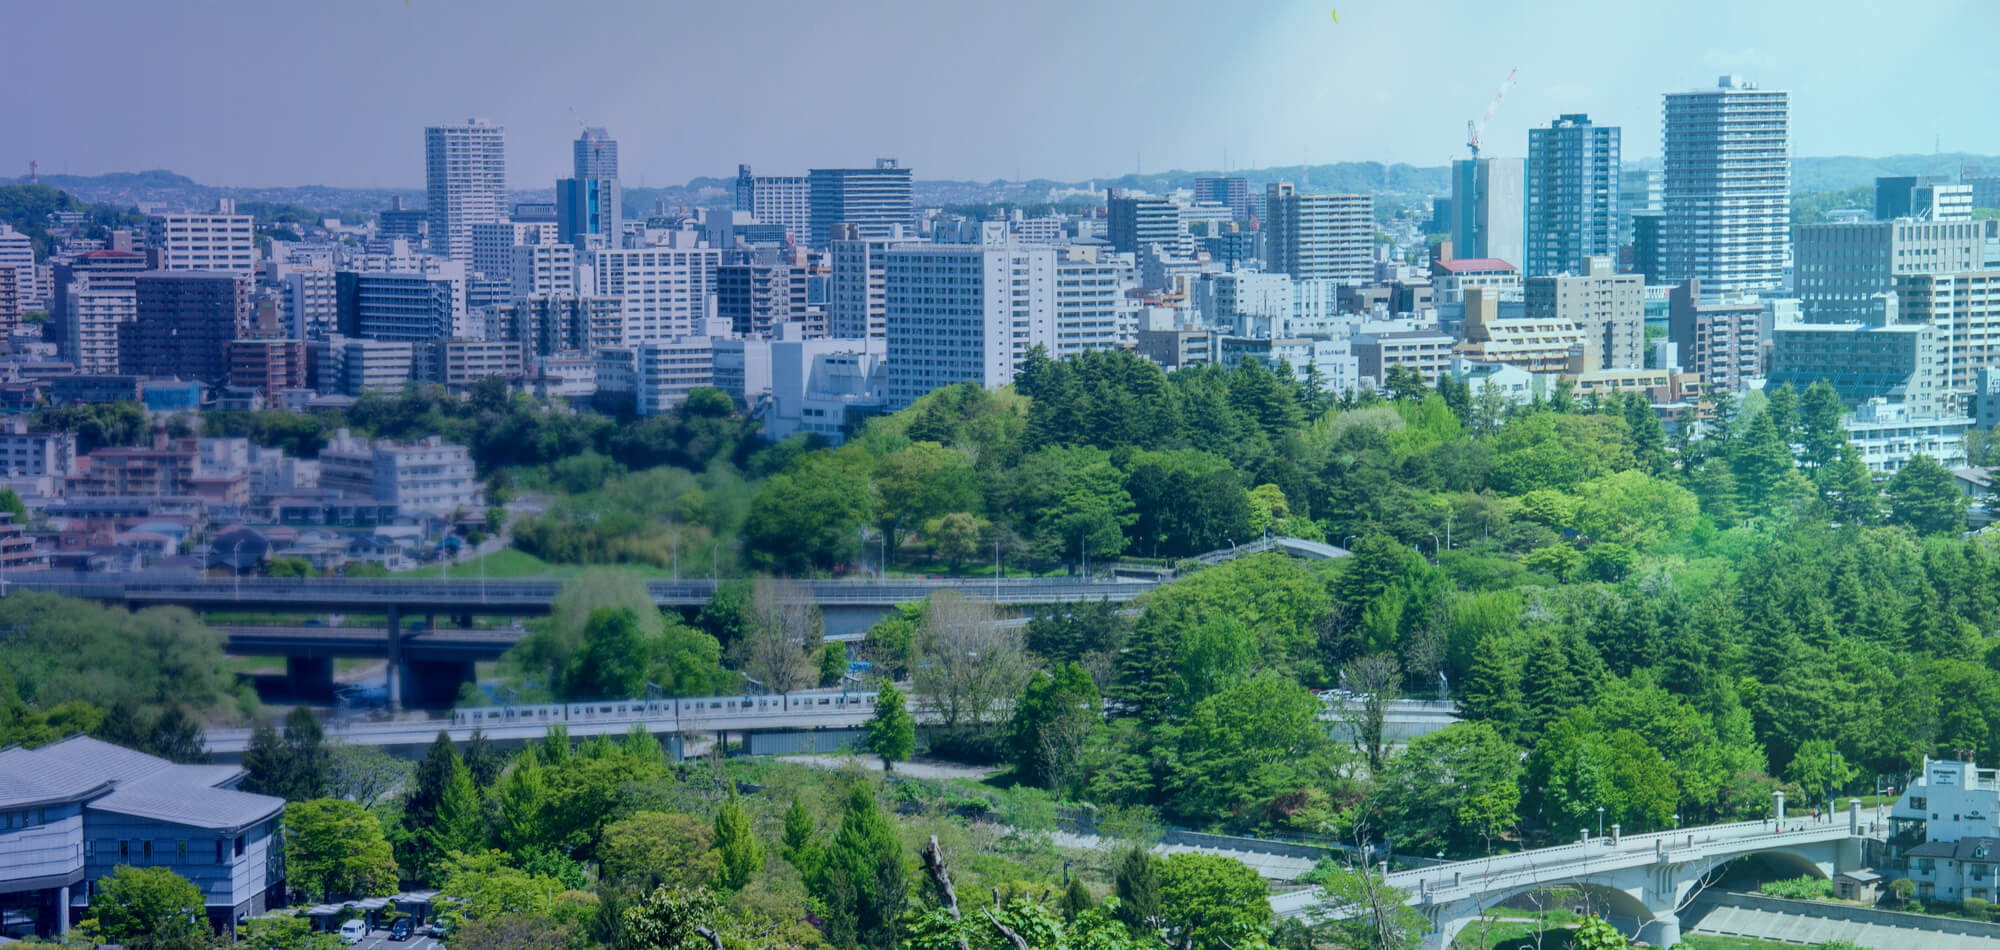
point(1728, 188)
point(465, 178)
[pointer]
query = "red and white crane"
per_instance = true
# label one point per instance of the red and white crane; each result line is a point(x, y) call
point(1473, 129)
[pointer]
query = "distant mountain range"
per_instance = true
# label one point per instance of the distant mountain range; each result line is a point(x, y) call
point(1403, 185)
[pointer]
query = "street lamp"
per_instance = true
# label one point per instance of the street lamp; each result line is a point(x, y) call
point(1677, 821)
point(236, 566)
point(1600, 821)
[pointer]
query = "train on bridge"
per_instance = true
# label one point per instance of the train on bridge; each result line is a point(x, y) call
point(691, 711)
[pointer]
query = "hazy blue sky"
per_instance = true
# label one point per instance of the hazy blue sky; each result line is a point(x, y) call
point(297, 92)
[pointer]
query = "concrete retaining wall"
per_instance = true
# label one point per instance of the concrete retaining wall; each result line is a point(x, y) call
point(1852, 914)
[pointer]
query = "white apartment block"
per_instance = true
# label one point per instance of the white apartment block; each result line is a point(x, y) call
point(25, 454)
point(312, 304)
point(17, 251)
point(665, 371)
point(1728, 188)
point(465, 183)
point(783, 201)
point(662, 292)
point(1092, 311)
point(97, 306)
point(493, 244)
point(219, 240)
point(430, 476)
point(1965, 308)
point(966, 312)
point(543, 270)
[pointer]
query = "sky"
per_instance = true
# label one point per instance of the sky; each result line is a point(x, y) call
point(295, 92)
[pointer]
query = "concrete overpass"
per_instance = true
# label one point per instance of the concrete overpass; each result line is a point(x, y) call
point(1640, 882)
point(849, 607)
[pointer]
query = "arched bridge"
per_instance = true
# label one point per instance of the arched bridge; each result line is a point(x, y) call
point(1641, 882)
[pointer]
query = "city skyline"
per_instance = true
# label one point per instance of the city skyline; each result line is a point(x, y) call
point(1372, 82)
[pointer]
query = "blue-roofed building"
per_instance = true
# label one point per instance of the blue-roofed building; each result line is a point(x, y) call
point(71, 812)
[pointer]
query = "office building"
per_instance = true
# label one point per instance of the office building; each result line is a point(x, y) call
point(665, 371)
point(1136, 221)
point(1900, 363)
point(875, 201)
point(397, 222)
point(493, 244)
point(1923, 198)
point(589, 202)
point(966, 312)
point(1985, 190)
point(1608, 307)
point(1572, 192)
point(1454, 277)
point(1728, 188)
point(1313, 236)
point(401, 307)
point(1489, 204)
point(784, 202)
point(1721, 342)
point(1839, 269)
point(1231, 193)
point(220, 240)
point(353, 367)
point(756, 298)
point(594, 154)
point(662, 292)
point(857, 290)
point(1428, 353)
point(78, 809)
point(183, 323)
point(825, 386)
point(458, 364)
point(1887, 435)
point(1639, 191)
point(465, 183)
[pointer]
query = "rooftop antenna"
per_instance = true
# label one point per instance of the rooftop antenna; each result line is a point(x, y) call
point(1473, 129)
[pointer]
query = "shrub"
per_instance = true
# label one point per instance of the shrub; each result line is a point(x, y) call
point(1805, 887)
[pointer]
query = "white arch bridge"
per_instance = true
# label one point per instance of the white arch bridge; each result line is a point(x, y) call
point(1640, 883)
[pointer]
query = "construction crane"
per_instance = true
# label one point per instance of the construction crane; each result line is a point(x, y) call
point(1473, 129)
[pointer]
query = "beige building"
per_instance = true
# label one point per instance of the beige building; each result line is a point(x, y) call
point(1535, 344)
point(1608, 307)
point(1965, 308)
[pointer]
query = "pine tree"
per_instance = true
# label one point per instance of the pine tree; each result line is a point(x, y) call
point(742, 856)
point(862, 881)
point(482, 759)
point(1649, 437)
point(417, 833)
point(523, 795)
point(1849, 489)
point(177, 737)
point(264, 761)
point(1138, 884)
point(1549, 683)
point(1076, 898)
point(460, 826)
point(308, 764)
point(801, 845)
point(1492, 689)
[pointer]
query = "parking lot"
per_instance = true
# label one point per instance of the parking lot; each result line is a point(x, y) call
point(380, 940)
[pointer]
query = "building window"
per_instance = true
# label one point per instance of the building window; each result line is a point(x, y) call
point(124, 850)
point(239, 846)
point(221, 850)
point(146, 849)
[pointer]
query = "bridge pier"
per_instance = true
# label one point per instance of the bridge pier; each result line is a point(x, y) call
point(309, 677)
point(1664, 930)
point(394, 675)
point(434, 684)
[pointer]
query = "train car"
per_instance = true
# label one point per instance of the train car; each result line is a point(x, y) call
point(509, 715)
point(691, 710)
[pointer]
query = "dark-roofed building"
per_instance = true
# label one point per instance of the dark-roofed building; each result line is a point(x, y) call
point(72, 811)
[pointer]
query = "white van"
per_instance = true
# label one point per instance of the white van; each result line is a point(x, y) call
point(352, 932)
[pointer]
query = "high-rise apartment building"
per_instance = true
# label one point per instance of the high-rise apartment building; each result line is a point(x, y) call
point(17, 251)
point(1310, 236)
point(1839, 269)
point(857, 293)
point(1728, 188)
point(493, 244)
point(465, 183)
point(184, 323)
point(219, 240)
point(1964, 306)
point(756, 297)
point(409, 307)
point(543, 270)
point(110, 276)
point(875, 201)
point(1231, 193)
point(662, 292)
point(1488, 207)
point(1573, 190)
point(1608, 307)
point(781, 201)
point(1639, 192)
point(312, 304)
point(595, 154)
point(1136, 221)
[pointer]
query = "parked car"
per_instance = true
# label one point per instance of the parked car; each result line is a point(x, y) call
point(352, 932)
point(402, 929)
